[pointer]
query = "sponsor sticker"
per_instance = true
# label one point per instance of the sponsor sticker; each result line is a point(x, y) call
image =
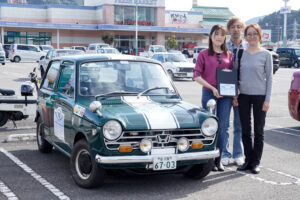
point(79, 110)
point(59, 126)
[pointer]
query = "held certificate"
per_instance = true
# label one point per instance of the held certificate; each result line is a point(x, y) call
point(227, 89)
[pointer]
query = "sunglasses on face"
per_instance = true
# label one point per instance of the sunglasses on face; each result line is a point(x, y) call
point(219, 58)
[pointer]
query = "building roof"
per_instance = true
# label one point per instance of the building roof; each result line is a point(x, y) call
point(213, 12)
point(208, 24)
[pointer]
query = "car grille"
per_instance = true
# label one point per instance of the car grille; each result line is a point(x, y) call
point(182, 69)
point(159, 138)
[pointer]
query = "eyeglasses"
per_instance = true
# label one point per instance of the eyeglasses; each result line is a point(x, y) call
point(252, 35)
point(219, 58)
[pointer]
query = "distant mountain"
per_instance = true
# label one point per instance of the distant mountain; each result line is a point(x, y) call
point(254, 20)
point(274, 22)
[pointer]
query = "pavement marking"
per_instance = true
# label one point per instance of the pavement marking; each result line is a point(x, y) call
point(291, 129)
point(255, 177)
point(36, 176)
point(286, 133)
point(7, 192)
point(20, 137)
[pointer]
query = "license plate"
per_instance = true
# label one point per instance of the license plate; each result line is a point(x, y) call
point(190, 74)
point(164, 162)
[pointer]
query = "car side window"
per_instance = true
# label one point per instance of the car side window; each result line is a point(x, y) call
point(52, 76)
point(66, 83)
point(92, 47)
point(31, 48)
point(160, 58)
point(289, 52)
point(48, 56)
point(22, 47)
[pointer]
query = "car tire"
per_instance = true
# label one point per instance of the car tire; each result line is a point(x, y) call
point(171, 75)
point(199, 171)
point(296, 65)
point(3, 118)
point(43, 145)
point(3, 63)
point(85, 171)
point(17, 59)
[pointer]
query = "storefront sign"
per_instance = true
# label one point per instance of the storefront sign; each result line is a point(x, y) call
point(178, 17)
point(139, 2)
point(132, 22)
point(266, 35)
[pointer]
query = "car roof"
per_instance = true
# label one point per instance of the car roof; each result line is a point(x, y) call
point(99, 57)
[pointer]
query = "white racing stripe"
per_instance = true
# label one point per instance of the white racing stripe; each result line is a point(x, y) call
point(157, 116)
point(36, 176)
point(7, 192)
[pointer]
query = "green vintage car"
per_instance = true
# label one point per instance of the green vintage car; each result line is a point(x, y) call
point(111, 112)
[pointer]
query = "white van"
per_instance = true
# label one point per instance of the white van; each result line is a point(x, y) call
point(93, 48)
point(25, 52)
point(197, 49)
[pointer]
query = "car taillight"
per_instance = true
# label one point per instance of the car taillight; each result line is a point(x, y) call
point(13, 51)
point(276, 56)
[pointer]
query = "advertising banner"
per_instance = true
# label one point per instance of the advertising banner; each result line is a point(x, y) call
point(178, 17)
point(266, 35)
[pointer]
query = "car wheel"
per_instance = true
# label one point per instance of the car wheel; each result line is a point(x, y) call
point(3, 63)
point(85, 171)
point(3, 118)
point(171, 75)
point(199, 171)
point(296, 65)
point(17, 59)
point(43, 145)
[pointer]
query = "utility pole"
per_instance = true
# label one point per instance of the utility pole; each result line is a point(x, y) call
point(284, 24)
point(136, 27)
point(295, 30)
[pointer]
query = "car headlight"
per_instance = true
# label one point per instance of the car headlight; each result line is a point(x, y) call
point(112, 130)
point(210, 126)
point(183, 144)
point(177, 69)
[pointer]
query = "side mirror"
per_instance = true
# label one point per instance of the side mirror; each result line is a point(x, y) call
point(26, 89)
point(211, 104)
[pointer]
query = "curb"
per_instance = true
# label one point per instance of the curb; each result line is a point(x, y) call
point(20, 137)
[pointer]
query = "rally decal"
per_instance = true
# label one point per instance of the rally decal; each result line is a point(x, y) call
point(59, 120)
point(156, 115)
point(79, 110)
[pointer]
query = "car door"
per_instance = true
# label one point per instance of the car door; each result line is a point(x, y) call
point(34, 53)
point(63, 107)
point(47, 97)
point(22, 51)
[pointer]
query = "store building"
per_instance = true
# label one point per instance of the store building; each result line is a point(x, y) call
point(64, 26)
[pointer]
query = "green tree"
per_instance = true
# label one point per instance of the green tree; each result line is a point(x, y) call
point(108, 38)
point(172, 42)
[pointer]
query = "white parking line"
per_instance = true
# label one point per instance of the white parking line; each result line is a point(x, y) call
point(291, 129)
point(7, 192)
point(286, 133)
point(255, 177)
point(36, 176)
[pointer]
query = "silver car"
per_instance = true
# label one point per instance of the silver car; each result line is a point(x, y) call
point(43, 62)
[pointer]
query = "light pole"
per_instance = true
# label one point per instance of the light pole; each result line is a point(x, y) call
point(136, 27)
point(284, 25)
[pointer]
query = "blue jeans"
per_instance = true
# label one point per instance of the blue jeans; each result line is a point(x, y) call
point(223, 113)
point(237, 137)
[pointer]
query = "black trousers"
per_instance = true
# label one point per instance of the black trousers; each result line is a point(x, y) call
point(253, 152)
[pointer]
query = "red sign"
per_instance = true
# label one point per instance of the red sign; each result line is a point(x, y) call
point(132, 22)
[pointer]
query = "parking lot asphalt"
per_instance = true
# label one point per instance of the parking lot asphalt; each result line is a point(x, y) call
point(25, 173)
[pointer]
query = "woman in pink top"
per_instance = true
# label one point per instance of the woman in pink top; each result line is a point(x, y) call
point(216, 56)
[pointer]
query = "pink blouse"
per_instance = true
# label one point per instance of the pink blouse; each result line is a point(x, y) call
point(206, 66)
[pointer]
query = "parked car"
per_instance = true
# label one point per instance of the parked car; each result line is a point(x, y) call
point(2, 55)
point(108, 50)
point(25, 52)
point(294, 96)
point(82, 48)
point(152, 50)
point(46, 48)
point(44, 61)
point(197, 50)
point(92, 48)
point(124, 49)
point(122, 112)
point(139, 51)
point(289, 57)
point(276, 61)
point(173, 51)
point(6, 48)
point(175, 64)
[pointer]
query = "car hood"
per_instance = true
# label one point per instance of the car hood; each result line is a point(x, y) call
point(181, 64)
point(144, 113)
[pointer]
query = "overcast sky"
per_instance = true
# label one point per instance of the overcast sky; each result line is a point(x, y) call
point(245, 9)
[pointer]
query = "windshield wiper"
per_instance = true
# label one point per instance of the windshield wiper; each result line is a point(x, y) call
point(114, 93)
point(154, 88)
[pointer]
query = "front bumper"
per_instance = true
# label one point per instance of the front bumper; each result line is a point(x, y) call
point(183, 74)
point(149, 158)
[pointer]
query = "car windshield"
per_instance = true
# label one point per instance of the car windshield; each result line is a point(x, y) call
point(178, 57)
point(159, 49)
point(65, 53)
point(297, 51)
point(125, 77)
point(47, 48)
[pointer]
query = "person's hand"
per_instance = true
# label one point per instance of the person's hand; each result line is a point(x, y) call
point(215, 92)
point(235, 101)
point(266, 106)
